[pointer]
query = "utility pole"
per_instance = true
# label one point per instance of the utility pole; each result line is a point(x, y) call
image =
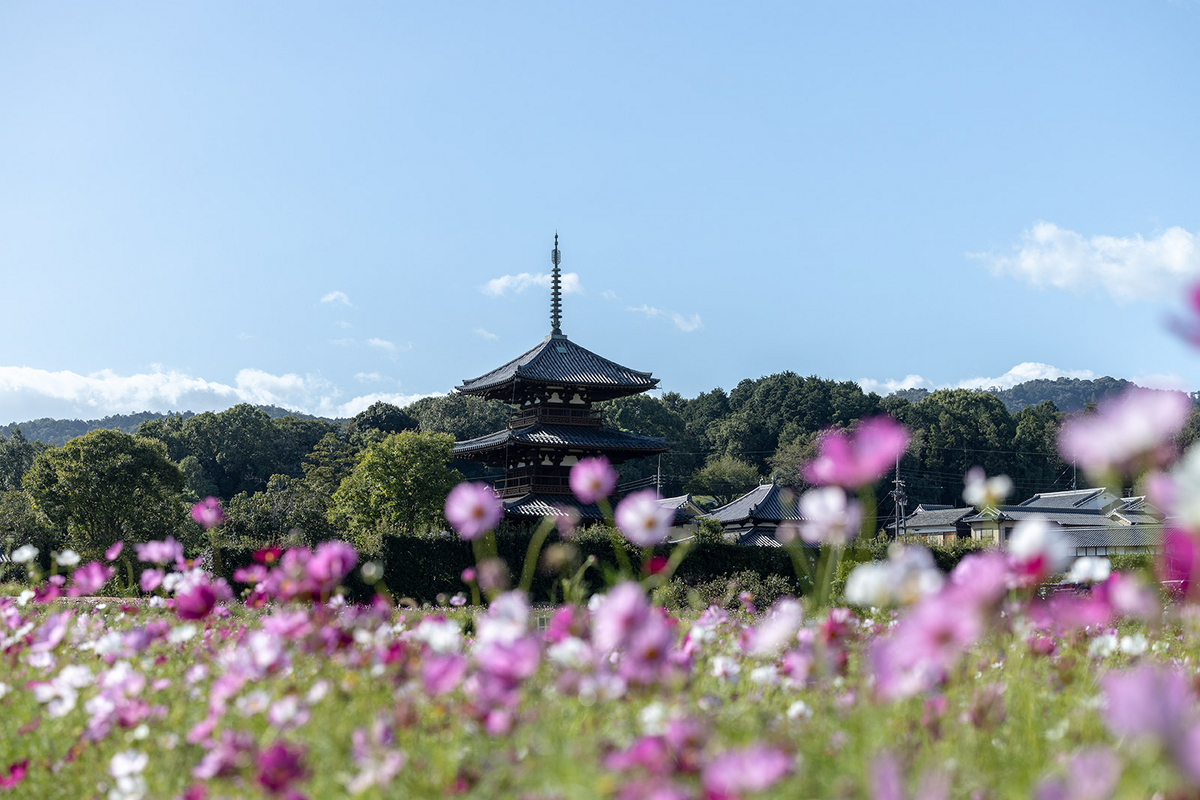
point(658, 479)
point(900, 499)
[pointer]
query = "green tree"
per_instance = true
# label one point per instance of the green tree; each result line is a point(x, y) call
point(16, 457)
point(288, 510)
point(1036, 465)
point(236, 450)
point(107, 486)
point(460, 415)
point(21, 523)
point(398, 486)
point(383, 417)
point(725, 478)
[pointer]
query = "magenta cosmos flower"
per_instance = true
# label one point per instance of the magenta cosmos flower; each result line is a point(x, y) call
point(855, 459)
point(643, 521)
point(1135, 426)
point(593, 479)
point(473, 509)
point(90, 577)
point(208, 513)
point(751, 769)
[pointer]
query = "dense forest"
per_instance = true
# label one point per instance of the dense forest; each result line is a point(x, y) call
point(385, 471)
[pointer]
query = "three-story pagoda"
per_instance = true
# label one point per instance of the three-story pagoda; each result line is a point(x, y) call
point(551, 389)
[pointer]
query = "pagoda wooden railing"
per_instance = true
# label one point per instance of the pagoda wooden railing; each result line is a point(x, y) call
point(521, 482)
point(545, 415)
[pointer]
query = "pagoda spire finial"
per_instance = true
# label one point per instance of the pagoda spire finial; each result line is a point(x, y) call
point(555, 290)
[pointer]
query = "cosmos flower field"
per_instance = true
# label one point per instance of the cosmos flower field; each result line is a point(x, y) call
point(993, 681)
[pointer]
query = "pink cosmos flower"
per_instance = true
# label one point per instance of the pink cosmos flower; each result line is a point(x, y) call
point(330, 564)
point(853, 460)
point(1178, 562)
point(642, 520)
point(829, 516)
point(772, 635)
point(1134, 427)
point(115, 550)
point(279, 766)
point(623, 609)
point(162, 552)
point(593, 479)
point(208, 513)
point(1039, 549)
point(151, 579)
point(441, 674)
point(473, 509)
point(1189, 329)
point(51, 633)
point(14, 774)
point(1092, 774)
point(751, 769)
point(197, 599)
point(89, 578)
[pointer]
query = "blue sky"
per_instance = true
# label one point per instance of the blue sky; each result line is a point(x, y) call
point(318, 205)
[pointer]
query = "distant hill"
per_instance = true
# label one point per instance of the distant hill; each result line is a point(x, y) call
point(60, 431)
point(1069, 394)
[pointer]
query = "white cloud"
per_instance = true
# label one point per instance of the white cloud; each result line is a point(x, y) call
point(27, 393)
point(358, 404)
point(343, 342)
point(341, 323)
point(486, 334)
point(519, 283)
point(1127, 268)
point(382, 344)
point(1026, 371)
point(685, 322)
point(368, 377)
point(889, 385)
point(337, 297)
point(1158, 380)
point(609, 294)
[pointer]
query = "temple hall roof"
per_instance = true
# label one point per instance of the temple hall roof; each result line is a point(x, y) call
point(601, 437)
point(767, 503)
point(559, 361)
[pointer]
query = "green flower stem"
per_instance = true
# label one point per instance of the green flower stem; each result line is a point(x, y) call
point(535, 549)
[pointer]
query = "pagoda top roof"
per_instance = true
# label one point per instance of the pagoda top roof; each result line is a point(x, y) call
point(557, 360)
point(602, 437)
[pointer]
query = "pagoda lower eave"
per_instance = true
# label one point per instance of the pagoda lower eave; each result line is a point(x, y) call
point(618, 445)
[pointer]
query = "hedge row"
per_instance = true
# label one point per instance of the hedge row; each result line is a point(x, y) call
point(424, 567)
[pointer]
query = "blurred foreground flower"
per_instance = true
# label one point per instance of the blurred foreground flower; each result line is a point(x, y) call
point(829, 517)
point(208, 513)
point(1130, 430)
point(643, 521)
point(984, 492)
point(1039, 549)
point(473, 509)
point(593, 479)
point(858, 458)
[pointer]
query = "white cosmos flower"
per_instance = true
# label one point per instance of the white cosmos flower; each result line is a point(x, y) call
point(67, 558)
point(1090, 569)
point(984, 492)
point(24, 554)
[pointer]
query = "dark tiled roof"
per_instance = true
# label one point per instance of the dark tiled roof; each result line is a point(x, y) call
point(757, 538)
point(767, 503)
point(588, 438)
point(1117, 536)
point(1063, 516)
point(675, 502)
point(1060, 500)
point(558, 360)
point(539, 505)
point(936, 515)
